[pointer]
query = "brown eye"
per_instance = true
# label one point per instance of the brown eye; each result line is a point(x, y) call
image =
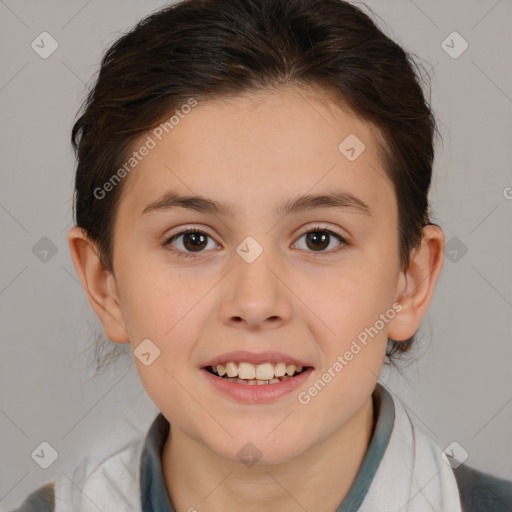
point(318, 240)
point(193, 241)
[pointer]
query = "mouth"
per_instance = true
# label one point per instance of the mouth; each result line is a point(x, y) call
point(242, 372)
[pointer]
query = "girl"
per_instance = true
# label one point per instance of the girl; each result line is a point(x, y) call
point(252, 217)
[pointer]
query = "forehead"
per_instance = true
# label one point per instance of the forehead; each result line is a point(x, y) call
point(252, 150)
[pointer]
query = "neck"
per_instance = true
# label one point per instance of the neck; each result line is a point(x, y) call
point(318, 479)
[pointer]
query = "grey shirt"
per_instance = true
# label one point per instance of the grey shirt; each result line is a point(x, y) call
point(479, 492)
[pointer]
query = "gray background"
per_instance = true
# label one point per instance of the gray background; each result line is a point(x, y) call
point(461, 387)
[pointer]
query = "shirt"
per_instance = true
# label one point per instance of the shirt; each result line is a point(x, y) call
point(141, 487)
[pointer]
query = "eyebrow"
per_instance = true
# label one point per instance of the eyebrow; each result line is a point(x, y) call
point(338, 199)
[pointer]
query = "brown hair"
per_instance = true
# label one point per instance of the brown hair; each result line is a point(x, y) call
point(205, 49)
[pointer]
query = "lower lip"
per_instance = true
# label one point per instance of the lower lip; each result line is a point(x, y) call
point(254, 393)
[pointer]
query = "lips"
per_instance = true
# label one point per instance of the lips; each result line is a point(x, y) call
point(256, 377)
point(257, 391)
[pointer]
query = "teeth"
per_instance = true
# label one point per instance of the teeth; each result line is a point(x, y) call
point(263, 371)
point(255, 382)
point(258, 374)
point(231, 370)
point(290, 369)
point(280, 370)
point(246, 371)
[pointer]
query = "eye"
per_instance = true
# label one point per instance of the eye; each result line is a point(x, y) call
point(194, 241)
point(319, 238)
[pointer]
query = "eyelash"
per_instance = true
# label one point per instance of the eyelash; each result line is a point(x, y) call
point(182, 254)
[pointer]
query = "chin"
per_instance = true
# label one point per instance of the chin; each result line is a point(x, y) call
point(258, 451)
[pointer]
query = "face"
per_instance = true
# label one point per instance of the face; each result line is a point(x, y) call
point(282, 286)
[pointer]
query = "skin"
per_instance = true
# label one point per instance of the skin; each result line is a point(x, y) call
point(253, 151)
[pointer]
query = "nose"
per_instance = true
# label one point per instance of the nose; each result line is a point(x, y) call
point(256, 295)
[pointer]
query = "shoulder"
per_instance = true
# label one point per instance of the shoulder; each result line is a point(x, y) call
point(482, 492)
point(40, 500)
point(111, 481)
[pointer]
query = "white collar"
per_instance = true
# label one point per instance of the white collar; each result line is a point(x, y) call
point(411, 476)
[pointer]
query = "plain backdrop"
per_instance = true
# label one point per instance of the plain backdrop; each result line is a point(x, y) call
point(460, 388)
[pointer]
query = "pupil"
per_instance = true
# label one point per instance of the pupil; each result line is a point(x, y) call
point(318, 236)
point(195, 239)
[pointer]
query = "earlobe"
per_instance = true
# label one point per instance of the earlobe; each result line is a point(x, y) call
point(417, 283)
point(99, 285)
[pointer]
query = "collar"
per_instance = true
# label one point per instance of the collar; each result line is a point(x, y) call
point(154, 494)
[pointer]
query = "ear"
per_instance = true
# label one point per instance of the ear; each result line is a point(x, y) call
point(99, 284)
point(417, 283)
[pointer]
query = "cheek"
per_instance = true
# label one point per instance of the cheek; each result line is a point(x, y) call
point(158, 299)
point(170, 309)
point(351, 299)
point(165, 310)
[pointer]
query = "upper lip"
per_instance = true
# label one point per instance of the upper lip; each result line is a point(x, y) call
point(255, 358)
